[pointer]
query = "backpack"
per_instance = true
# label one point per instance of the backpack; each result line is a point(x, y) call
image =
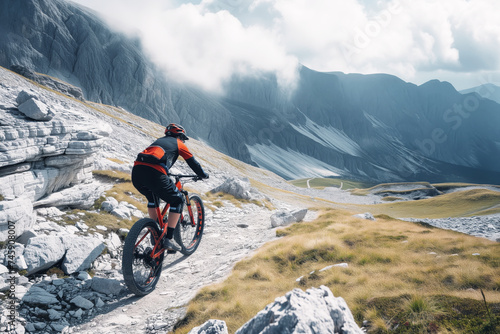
point(152, 155)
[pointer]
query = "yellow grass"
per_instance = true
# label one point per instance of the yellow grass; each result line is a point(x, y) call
point(386, 258)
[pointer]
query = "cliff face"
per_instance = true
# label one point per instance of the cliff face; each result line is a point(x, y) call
point(374, 127)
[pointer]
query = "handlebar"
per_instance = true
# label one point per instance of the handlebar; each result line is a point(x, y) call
point(180, 176)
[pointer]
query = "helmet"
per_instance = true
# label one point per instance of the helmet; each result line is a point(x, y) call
point(176, 130)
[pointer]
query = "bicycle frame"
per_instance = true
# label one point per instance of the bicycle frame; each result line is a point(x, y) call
point(161, 213)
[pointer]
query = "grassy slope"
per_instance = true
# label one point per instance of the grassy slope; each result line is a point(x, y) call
point(389, 262)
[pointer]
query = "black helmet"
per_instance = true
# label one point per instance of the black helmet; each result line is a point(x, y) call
point(176, 130)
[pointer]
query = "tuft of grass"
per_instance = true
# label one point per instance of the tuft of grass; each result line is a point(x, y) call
point(112, 175)
point(58, 271)
point(118, 161)
point(1, 197)
point(92, 219)
point(389, 262)
point(391, 199)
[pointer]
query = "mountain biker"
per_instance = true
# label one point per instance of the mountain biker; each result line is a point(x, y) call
point(150, 175)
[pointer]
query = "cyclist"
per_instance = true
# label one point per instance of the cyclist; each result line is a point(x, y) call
point(150, 176)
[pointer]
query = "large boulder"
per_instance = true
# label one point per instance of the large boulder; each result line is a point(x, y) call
point(80, 253)
point(36, 110)
point(239, 188)
point(43, 252)
point(313, 311)
point(284, 217)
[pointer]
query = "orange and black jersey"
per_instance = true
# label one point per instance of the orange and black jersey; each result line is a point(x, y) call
point(173, 147)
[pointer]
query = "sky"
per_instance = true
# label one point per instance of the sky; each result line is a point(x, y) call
point(206, 42)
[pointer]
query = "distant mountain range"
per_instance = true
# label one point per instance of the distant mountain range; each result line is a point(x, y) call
point(488, 91)
point(369, 127)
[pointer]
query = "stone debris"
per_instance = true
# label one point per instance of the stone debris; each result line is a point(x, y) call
point(52, 305)
point(122, 210)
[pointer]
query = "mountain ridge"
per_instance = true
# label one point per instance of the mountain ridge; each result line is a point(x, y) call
point(369, 127)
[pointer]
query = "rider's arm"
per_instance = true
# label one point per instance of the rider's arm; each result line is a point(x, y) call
point(191, 161)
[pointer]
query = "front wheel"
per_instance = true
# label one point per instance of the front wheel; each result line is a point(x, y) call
point(189, 230)
point(140, 270)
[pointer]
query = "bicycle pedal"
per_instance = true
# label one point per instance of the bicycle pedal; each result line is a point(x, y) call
point(171, 251)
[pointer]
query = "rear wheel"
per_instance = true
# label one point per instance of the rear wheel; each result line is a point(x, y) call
point(141, 272)
point(189, 231)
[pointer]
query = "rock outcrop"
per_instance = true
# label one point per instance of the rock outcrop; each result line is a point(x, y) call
point(313, 311)
point(47, 151)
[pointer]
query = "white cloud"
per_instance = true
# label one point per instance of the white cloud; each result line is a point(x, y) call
point(199, 46)
point(207, 42)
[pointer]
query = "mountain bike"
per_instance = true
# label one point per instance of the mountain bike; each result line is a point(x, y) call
point(143, 251)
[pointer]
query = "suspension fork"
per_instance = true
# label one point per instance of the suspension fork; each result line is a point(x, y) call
point(190, 210)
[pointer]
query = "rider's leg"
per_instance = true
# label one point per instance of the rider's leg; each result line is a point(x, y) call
point(173, 218)
point(152, 214)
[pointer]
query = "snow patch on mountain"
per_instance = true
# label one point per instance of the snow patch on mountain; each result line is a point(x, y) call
point(330, 137)
point(290, 164)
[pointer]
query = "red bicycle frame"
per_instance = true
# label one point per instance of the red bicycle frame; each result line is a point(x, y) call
point(161, 213)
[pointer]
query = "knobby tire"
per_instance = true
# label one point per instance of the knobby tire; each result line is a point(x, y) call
point(140, 272)
point(186, 234)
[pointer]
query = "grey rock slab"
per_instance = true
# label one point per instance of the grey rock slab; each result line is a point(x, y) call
point(106, 286)
point(38, 296)
point(81, 302)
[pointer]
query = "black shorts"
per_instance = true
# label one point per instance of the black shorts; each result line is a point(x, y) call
point(149, 181)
